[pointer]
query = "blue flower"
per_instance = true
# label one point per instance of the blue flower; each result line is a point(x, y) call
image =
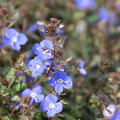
point(44, 50)
point(116, 116)
point(36, 66)
point(85, 4)
point(110, 110)
point(81, 68)
point(107, 15)
point(60, 81)
point(14, 39)
point(34, 94)
point(50, 105)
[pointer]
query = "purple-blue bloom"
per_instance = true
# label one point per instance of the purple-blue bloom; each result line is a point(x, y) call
point(60, 80)
point(14, 39)
point(36, 66)
point(35, 94)
point(85, 4)
point(107, 15)
point(44, 50)
point(50, 105)
point(81, 68)
point(116, 116)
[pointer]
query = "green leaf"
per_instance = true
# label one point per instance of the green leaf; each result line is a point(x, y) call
point(11, 76)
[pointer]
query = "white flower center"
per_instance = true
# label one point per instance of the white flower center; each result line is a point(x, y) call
point(33, 94)
point(38, 66)
point(60, 80)
point(14, 39)
point(45, 51)
point(51, 105)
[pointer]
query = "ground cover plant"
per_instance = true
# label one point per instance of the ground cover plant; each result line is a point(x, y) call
point(59, 60)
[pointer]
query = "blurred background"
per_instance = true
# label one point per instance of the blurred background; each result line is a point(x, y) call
point(92, 32)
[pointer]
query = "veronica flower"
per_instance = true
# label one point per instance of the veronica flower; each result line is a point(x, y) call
point(106, 15)
point(36, 66)
point(14, 39)
point(85, 4)
point(50, 105)
point(60, 80)
point(34, 94)
point(44, 50)
point(110, 110)
point(81, 68)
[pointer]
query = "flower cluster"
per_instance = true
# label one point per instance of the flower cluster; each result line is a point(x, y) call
point(45, 61)
point(44, 52)
point(48, 62)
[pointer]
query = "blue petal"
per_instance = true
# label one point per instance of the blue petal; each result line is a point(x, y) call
point(31, 65)
point(83, 72)
point(116, 116)
point(59, 31)
point(31, 101)
point(52, 82)
point(10, 32)
point(39, 98)
point(48, 62)
point(51, 113)
point(33, 28)
point(60, 75)
point(44, 106)
point(6, 41)
point(43, 33)
point(26, 92)
point(47, 44)
point(51, 98)
point(59, 88)
point(36, 49)
point(22, 39)
point(59, 107)
point(15, 46)
point(68, 83)
point(18, 106)
point(37, 89)
point(35, 74)
point(81, 64)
